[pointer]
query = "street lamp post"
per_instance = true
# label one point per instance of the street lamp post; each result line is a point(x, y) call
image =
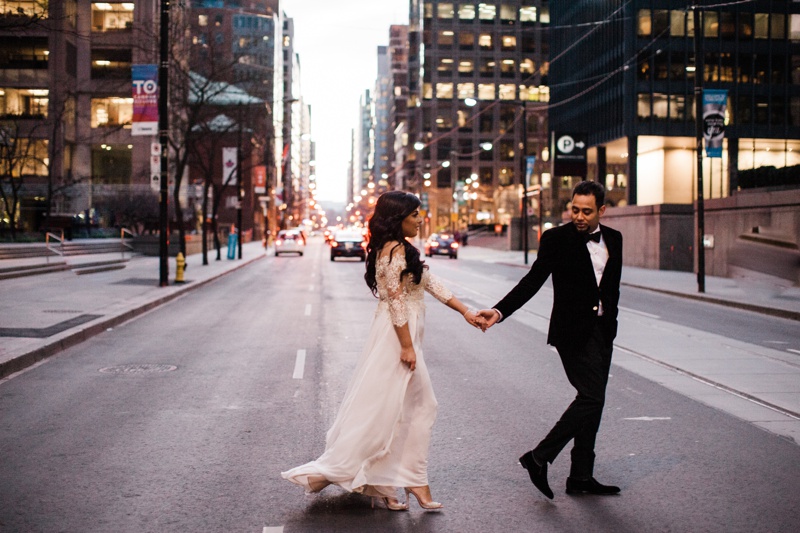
point(524, 178)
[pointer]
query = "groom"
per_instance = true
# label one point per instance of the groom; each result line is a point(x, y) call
point(585, 260)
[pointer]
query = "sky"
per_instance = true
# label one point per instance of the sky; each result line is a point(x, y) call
point(338, 47)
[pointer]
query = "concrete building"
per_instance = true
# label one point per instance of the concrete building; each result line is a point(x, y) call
point(477, 74)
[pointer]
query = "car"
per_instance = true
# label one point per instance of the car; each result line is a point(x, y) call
point(290, 241)
point(441, 244)
point(348, 244)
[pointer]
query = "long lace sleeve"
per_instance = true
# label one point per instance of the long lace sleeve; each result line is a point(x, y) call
point(395, 288)
point(436, 288)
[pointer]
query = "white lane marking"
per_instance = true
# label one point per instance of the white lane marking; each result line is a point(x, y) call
point(278, 529)
point(308, 309)
point(793, 350)
point(299, 364)
point(649, 418)
point(776, 342)
point(635, 312)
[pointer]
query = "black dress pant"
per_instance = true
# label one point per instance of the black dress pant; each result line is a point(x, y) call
point(587, 369)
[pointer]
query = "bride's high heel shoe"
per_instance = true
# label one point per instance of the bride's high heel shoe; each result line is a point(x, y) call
point(393, 504)
point(428, 503)
point(317, 483)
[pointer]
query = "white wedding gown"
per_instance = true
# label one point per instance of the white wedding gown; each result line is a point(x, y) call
point(381, 434)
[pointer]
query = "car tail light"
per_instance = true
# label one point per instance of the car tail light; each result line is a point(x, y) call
point(454, 245)
point(300, 242)
point(334, 244)
point(278, 242)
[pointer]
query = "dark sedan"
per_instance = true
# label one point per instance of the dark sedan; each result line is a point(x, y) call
point(348, 244)
point(441, 244)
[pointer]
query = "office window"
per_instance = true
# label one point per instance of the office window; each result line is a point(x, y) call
point(487, 68)
point(795, 110)
point(794, 27)
point(505, 150)
point(796, 70)
point(32, 158)
point(645, 26)
point(508, 68)
point(466, 40)
point(466, 68)
point(466, 90)
point(660, 22)
point(487, 12)
point(710, 24)
point(108, 16)
point(466, 12)
point(463, 118)
point(660, 106)
point(446, 39)
point(28, 8)
point(485, 175)
point(24, 53)
point(508, 117)
point(444, 90)
point(528, 43)
point(487, 123)
point(427, 10)
point(508, 43)
point(444, 121)
point(111, 164)
point(445, 11)
point(677, 108)
point(485, 41)
point(643, 107)
point(527, 66)
point(677, 23)
point(527, 14)
point(544, 15)
point(111, 64)
point(506, 176)
point(23, 102)
point(507, 91)
point(202, 20)
point(508, 13)
point(777, 26)
point(112, 111)
point(445, 67)
point(486, 91)
point(427, 91)
point(443, 178)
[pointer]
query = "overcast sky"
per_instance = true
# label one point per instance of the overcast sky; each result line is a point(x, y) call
point(338, 46)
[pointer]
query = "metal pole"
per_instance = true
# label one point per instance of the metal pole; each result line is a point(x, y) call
point(163, 132)
point(524, 177)
point(239, 187)
point(698, 106)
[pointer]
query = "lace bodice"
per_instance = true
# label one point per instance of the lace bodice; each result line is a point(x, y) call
point(403, 295)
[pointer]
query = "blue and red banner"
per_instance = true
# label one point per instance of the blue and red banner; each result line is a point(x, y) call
point(144, 80)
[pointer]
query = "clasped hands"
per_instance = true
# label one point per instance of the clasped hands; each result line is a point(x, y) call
point(483, 319)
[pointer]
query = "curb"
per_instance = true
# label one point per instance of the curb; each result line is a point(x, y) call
point(28, 359)
point(770, 311)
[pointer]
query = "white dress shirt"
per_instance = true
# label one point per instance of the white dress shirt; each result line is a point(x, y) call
point(599, 254)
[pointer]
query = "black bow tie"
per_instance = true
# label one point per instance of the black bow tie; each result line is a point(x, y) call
point(591, 237)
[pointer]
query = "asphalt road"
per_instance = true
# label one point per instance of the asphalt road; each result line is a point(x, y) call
point(182, 420)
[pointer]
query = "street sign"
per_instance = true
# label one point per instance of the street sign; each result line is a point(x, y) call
point(155, 166)
point(569, 154)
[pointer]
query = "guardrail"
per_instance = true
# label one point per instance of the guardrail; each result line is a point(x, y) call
point(60, 240)
point(124, 244)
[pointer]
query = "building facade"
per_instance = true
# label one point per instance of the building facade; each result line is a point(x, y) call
point(477, 79)
point(639, 114)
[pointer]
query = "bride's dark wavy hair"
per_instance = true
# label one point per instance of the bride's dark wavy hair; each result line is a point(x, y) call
point(386, 225)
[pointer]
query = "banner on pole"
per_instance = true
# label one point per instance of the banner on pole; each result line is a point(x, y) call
point(715, 102)
point(260, 179)
point(145, 99)
point(229, 166)
point(529, 162)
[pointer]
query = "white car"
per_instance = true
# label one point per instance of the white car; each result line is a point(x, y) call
point(290, 242)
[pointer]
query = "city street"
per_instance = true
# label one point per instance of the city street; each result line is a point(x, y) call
point(182, 419)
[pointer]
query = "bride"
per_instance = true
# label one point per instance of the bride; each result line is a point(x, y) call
point(379, 440)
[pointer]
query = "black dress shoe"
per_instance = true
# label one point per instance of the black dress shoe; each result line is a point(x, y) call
point(589, 486)
point(537, 473)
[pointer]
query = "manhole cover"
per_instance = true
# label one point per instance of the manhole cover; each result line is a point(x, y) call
point(138, 369)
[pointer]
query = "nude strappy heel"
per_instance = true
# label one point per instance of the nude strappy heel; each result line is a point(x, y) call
point(429, 505)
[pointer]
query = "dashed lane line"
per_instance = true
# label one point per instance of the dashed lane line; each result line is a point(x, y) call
point(299, 364)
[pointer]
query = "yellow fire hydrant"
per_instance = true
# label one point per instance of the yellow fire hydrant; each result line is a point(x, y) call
point(180, 266)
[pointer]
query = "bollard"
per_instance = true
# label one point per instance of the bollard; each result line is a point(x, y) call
point(180, 266)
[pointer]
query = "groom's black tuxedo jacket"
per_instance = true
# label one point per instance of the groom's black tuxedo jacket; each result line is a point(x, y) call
point(564, 255)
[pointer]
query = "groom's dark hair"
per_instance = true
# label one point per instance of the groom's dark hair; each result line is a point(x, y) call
point(595, 188)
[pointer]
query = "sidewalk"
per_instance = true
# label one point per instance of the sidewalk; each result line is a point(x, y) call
point(43, 314)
